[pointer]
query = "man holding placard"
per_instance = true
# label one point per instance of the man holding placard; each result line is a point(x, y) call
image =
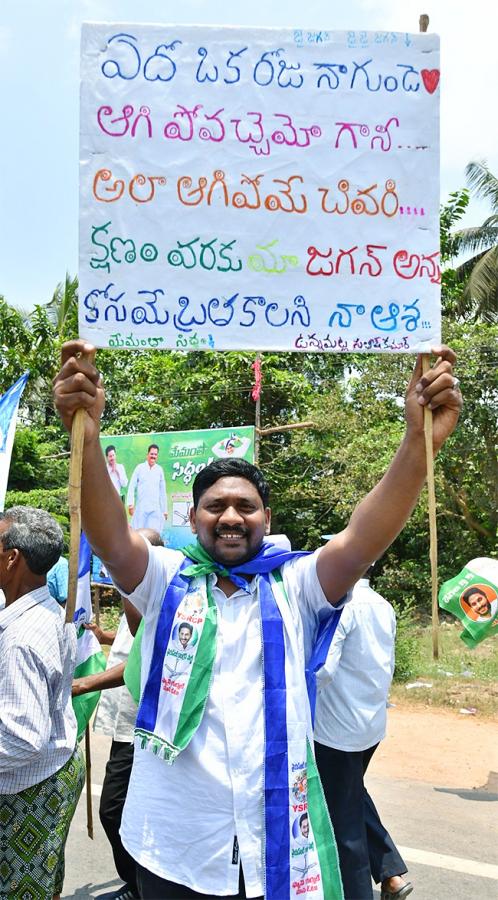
point(236, 727)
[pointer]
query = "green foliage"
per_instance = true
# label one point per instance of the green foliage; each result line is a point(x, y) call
point(38, 457)
point(450, 213)
point(156, 391)
point(110, 616)
point(478, 276)
point(53, 501)
point(406, 651)
point(470, 460)
point(25, 461)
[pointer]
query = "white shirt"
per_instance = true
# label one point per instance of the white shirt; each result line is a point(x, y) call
point(148, 481)
point(180, 820)
point(37, 722)
point(118, 476)
point(353, 685)
point(117, 711)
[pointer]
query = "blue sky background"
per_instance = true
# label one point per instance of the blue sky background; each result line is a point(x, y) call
point(39, 91)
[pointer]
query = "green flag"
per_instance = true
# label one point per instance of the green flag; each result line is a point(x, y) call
point(134, 665)
point(472, 596)
point(89, 661)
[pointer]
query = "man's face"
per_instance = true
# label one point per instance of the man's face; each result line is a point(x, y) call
point(111, 457)
point(230, 520)
point(305, 827)
point(152, 456)
point(479, 603)
point(184, 636)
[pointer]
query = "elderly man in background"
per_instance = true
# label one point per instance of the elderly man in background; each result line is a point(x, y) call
point(41, 769)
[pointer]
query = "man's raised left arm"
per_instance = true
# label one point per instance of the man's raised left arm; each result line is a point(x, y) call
point(381, 515)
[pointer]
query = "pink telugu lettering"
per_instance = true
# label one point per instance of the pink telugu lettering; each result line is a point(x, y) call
point(306, 885)
point(172, 687)
point(195, 620)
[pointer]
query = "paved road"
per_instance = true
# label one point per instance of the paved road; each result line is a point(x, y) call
point(448, 837)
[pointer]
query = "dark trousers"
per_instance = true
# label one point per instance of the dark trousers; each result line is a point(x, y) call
point(112, 800)
point(365, 848)
point(151, 887)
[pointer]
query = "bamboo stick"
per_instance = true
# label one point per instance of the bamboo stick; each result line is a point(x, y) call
point(74, 491)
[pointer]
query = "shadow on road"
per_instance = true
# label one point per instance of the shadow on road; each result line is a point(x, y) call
point(474, 794)
point(90, 890)
point(487, 793)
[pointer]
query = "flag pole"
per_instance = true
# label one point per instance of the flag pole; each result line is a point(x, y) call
point(88, 769)
point(256, 396)
point(74, 496)
point(431, 494)
point(74, 492)
point(431, 490)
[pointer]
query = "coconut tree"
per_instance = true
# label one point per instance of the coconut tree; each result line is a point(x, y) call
point(62, 308)
point(479, 274)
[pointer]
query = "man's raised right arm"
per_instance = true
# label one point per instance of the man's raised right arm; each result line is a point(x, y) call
point(124, 553)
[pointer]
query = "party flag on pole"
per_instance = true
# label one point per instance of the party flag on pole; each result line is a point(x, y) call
point(472, 596)
point(9, 404)
point(89, 656)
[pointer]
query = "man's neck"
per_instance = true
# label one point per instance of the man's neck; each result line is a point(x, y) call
point(227, 586)
point(14, 592)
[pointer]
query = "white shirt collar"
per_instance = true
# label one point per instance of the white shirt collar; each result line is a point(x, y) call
point(22, 604)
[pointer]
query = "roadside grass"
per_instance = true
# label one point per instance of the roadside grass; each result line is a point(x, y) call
point(110, 616)
point(460, 678)
point(110, 612)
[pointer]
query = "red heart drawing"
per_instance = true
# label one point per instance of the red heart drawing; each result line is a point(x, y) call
point(430, 77)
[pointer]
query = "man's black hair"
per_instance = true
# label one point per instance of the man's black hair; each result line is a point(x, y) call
point(109, 448)
point(474, 589)
point(230, 468)
point(152, 447)
point(186, 625)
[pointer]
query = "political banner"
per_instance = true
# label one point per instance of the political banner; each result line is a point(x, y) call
point(472, 596)
point(259, 189)
point(154, 472)
point(9, 404)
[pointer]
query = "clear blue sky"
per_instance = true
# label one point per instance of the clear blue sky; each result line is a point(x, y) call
point(39, 89)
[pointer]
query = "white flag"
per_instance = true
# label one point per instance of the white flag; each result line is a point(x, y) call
point(9, 403)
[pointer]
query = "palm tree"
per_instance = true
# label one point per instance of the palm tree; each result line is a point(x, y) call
point(479, 299)
point(63, 305)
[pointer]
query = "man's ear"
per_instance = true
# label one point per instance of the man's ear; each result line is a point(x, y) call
point(267, 520)
point(13, 558)
point(192, 520)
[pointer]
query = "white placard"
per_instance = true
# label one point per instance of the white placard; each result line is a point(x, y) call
point(259, 189)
